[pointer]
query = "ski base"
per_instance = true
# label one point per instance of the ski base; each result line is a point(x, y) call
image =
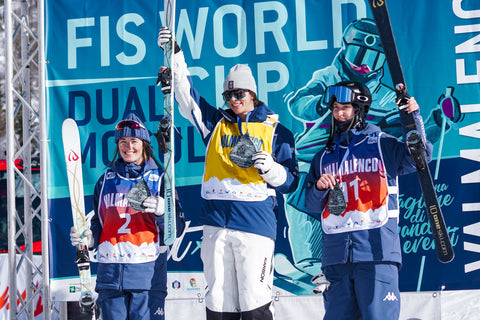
point(169, 155)
point(443, 245)
point(73, 160)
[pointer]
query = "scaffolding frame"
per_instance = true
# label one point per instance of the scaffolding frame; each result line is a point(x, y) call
point(25, 104)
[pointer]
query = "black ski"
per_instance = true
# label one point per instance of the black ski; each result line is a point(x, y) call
point(443, 245)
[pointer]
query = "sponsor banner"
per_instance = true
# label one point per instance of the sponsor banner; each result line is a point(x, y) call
point(68, 289)
point(21, 289)
point(183, 285)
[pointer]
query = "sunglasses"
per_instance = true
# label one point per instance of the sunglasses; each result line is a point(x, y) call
point(129, 124)
point(238, 94)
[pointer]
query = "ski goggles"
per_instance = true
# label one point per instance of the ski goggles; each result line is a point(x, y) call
point(132, 124)
point(338, 93)
point(237, 93)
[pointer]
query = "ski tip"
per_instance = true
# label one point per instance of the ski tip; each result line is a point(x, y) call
point(446, 255)
point(447, 258)
point(68, 124)
point(69, 121)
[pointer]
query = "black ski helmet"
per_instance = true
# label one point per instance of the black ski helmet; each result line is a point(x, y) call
point(352, 92)
point(348, 92)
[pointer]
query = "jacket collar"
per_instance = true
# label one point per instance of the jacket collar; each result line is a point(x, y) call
point(131, 170)
point(258, 114)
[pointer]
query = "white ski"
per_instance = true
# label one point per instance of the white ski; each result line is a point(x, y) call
point(169, 156)
point(73, 160)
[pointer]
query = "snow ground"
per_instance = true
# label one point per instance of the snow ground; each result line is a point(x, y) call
point(461, 305)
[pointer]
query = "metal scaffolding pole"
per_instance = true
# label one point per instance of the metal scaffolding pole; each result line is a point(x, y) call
point(47, 304)
point(25, 107)
point(10, 137)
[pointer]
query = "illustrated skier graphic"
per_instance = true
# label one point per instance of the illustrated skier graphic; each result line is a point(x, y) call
point(360, 59)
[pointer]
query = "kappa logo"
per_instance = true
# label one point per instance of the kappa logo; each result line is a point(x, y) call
point(390, 297)
point(159, 312)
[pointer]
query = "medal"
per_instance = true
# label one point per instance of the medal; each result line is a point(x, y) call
point(243, 151)
point(336, 201)
point(138, 194)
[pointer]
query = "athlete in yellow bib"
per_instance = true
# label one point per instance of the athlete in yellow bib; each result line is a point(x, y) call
point(250, 159)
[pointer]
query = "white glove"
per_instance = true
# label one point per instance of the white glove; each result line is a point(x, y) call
point(155, 205)
point(322, 283)
point(263, 161)
point(164, 36)
point(272, 172)
point(76, 238)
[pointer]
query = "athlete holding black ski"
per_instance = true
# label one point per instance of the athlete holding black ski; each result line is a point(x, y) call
point(361, 243)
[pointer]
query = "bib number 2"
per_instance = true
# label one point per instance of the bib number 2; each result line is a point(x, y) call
point(124, 228)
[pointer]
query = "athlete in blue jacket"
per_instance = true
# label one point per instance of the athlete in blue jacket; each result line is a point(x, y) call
point(132, 259)
point(249, 159)
point(361, 244)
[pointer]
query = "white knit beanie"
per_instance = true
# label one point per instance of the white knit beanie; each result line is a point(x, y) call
point(240, 77)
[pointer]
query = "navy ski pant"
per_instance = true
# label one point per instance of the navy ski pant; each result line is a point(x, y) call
point(131, 304)
point(366, 290)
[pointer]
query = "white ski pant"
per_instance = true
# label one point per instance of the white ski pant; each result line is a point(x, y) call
point(238, 268)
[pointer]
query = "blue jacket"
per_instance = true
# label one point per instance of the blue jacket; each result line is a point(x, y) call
point(257, 217)
point(378, 244)
point(132, 276)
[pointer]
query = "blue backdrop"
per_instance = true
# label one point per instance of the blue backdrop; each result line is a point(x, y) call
point(103, 61)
